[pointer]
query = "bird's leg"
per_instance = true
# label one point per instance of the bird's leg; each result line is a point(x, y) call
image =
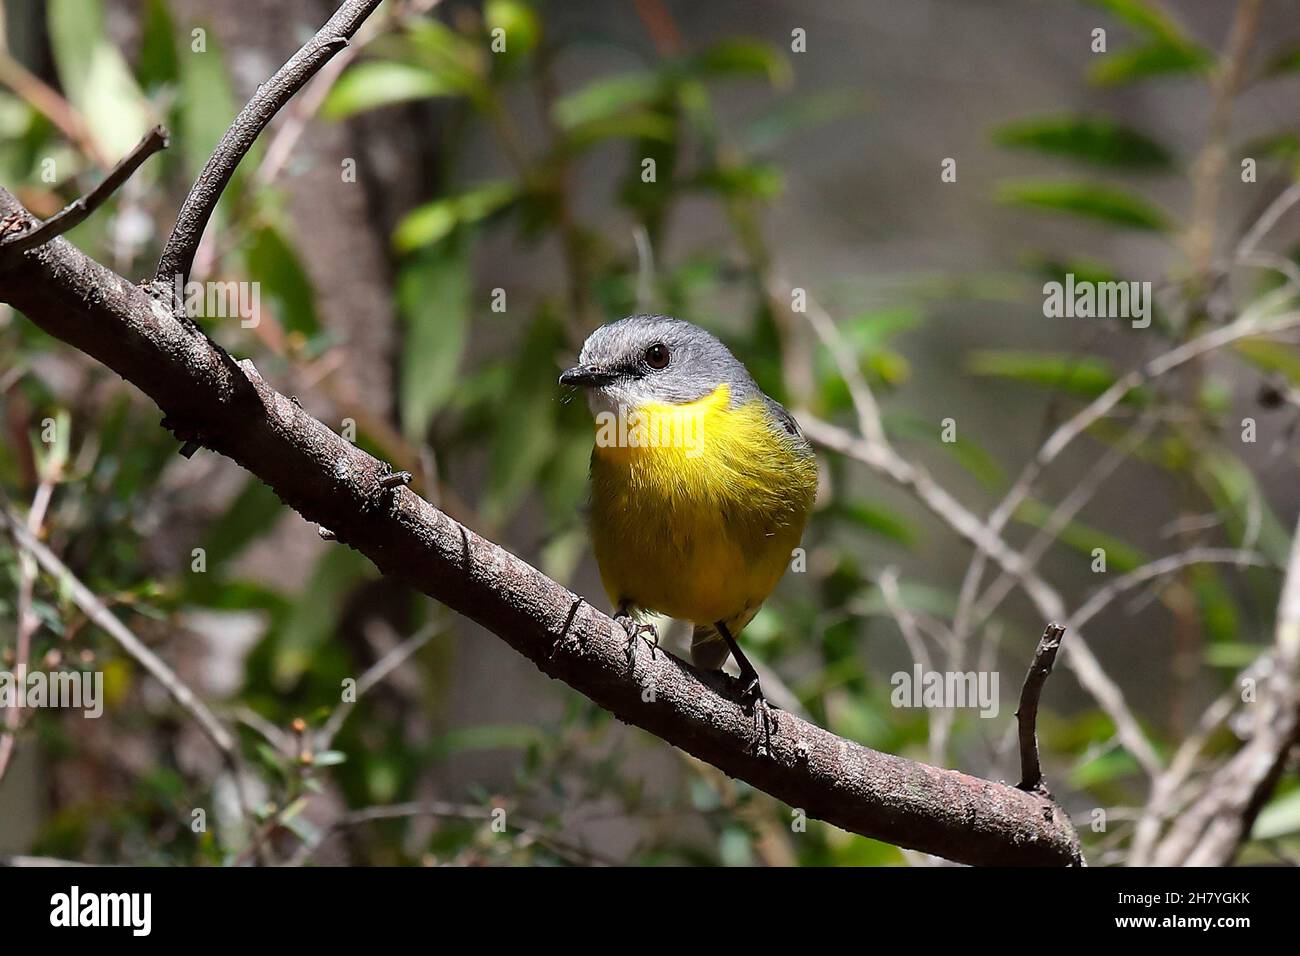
point(751, 690)
point(634, 630)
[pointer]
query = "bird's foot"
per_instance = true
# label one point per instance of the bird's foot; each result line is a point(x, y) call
point(636, 631)
point(764, 713)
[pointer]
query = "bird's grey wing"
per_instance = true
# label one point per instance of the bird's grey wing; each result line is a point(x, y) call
point(784, 418)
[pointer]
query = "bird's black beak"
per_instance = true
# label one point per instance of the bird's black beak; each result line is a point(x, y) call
point(584, 376)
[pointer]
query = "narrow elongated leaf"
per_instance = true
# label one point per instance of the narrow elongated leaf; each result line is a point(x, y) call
point(1090, 200)
point(1091, 139)
point(1279, 818)
point(376, 83)
point(95, 77)
point(607, 97)
point(433, 300)
point(1143, 62)
point(1078, 374)
point(274, 264)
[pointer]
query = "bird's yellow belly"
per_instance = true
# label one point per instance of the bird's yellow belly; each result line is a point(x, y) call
point(702, 537)
point(696, 571)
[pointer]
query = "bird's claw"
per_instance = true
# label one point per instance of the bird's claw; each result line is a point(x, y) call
point(635, 631)
point(764, 717)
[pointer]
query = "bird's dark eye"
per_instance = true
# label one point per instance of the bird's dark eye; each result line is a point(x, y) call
point(656, 356)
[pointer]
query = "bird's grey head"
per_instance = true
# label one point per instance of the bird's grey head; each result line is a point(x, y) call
point(655, 358)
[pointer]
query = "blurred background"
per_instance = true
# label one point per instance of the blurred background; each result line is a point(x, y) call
point(434, 226)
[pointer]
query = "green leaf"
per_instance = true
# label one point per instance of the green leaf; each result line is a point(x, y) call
point(1098, 140)
point(315, 614)
point(1078, 374)
point(643, 125)
point(1086, 199)
point(741, 57)
point(95, 78)
point(1148, 18)
point(158, 63)
point(274, 264)
point(875, 519)
point(433, 301)
point(1282, 146)
point(376, 83)
point(746, 181)
point(791, 115)
point(969, 454)
point(434, 221)
point(520, 23)
point(606, 98)
point(1120, 555)
point(1153, 59)
point(459, 62)
point(1280, 818)
point(1278, 357)
point(252, 514)
point(1285, 61)
point(1236, 495)
point(207, 105)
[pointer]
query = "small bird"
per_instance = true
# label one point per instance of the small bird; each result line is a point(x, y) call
point(700, 483)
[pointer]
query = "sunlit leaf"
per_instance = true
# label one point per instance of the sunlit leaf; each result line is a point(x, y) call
point(436, 220)
point(1279, 818)
point(95, 78)
point(376, 83)
point(522, 28)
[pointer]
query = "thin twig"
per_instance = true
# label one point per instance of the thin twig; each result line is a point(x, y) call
point(1031, 772)
point(78, 210)
point(178, 253)
point(373, 675)
point(1159, 568)
point(94, 609)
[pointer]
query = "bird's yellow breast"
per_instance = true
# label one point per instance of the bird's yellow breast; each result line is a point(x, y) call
point(700, 528)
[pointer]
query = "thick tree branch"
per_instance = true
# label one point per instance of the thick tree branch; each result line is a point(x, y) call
point(232, 410)
point(178, 254)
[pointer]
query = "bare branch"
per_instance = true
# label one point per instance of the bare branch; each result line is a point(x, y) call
point(94, 609)
point(1159, 568)
point(883, 459)
point(76, 212)
point(178, 254)
point(333, 483)
point(1031, 772)
point(1212, 829)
